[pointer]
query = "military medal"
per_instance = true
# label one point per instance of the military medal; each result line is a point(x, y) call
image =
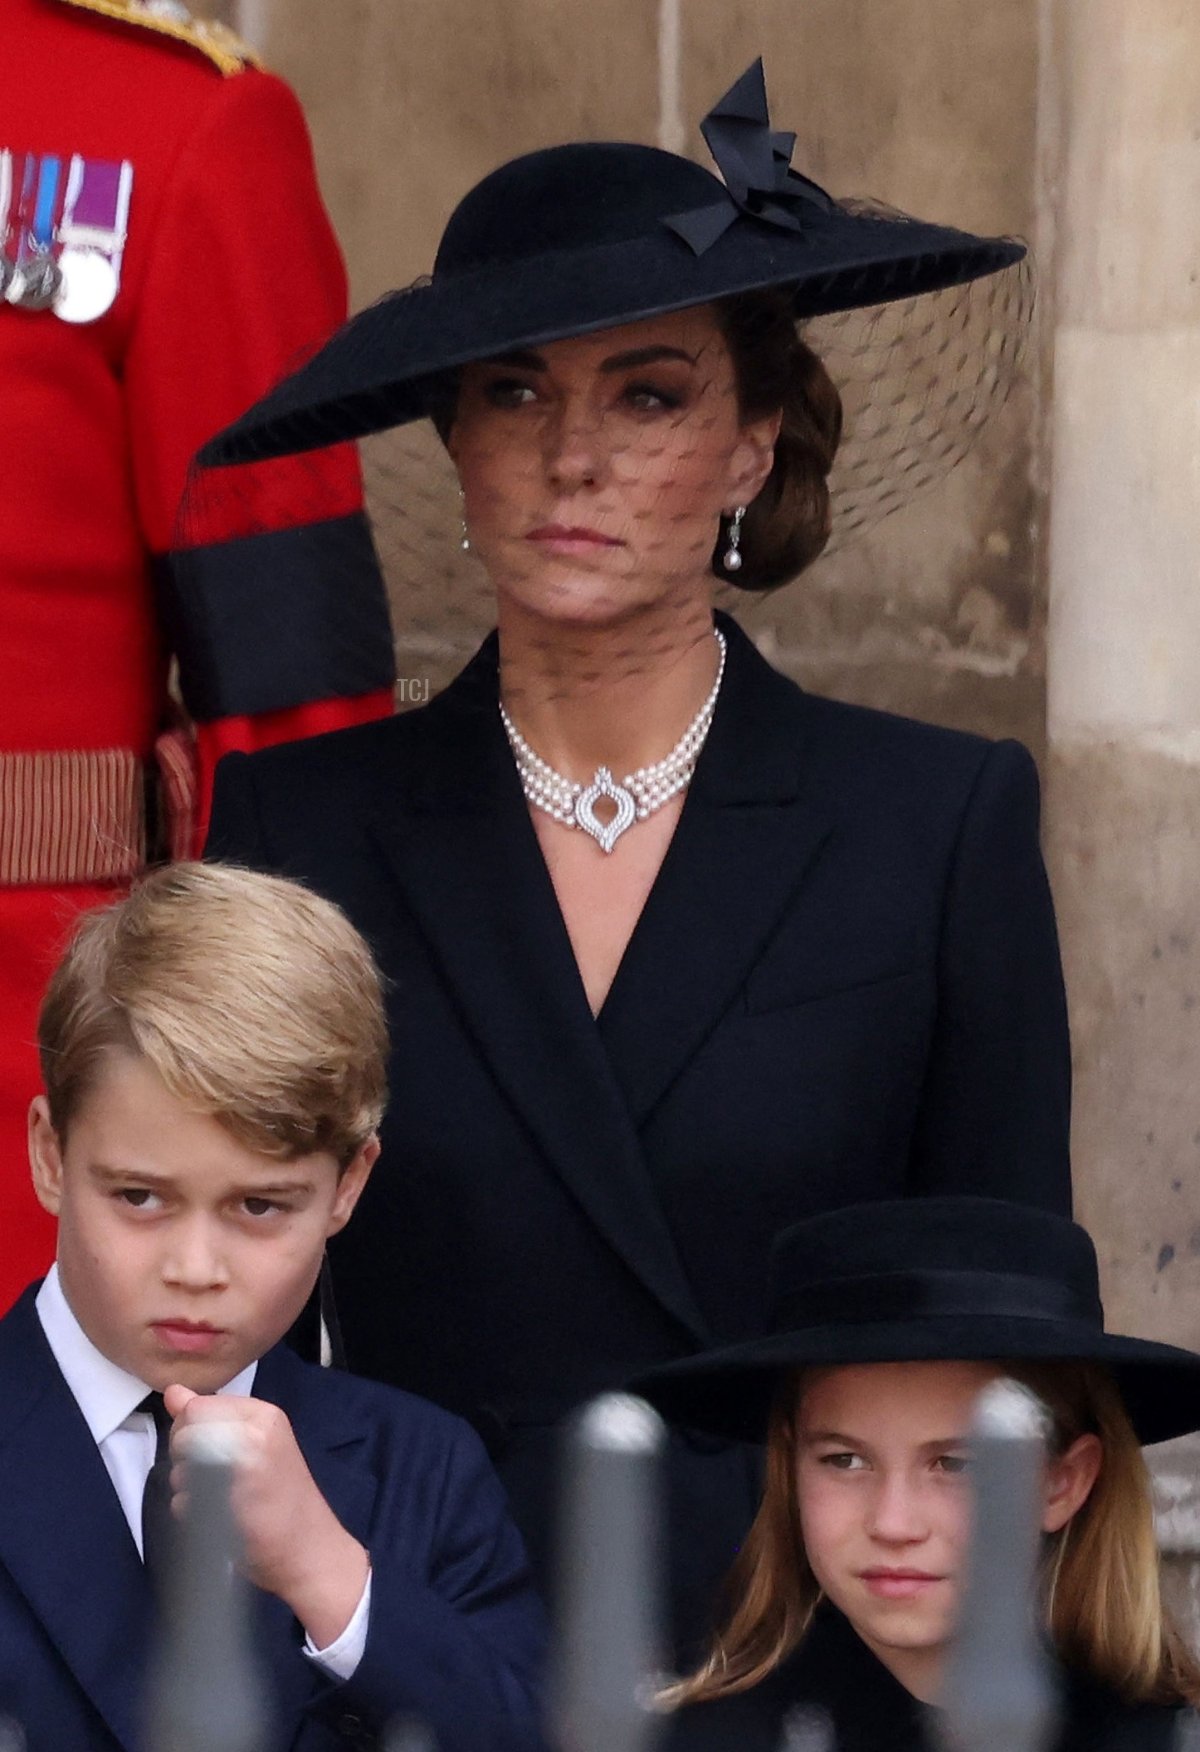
point(37, 270)
point(36, 282)
point(34, 279)
point(20, 173)
point(6, 180)
point(91, 235)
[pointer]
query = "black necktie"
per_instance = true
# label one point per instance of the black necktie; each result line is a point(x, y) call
point(157, 1532)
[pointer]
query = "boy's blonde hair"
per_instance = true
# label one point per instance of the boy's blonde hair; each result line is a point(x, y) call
point(254, 1000)
point(1100, 1573)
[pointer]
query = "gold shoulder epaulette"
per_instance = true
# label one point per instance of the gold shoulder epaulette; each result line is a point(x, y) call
point(171, 18)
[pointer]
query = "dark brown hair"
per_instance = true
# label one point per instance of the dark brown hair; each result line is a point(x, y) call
point(788, 523)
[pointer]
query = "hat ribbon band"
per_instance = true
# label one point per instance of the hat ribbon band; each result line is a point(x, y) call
point(969, 1295)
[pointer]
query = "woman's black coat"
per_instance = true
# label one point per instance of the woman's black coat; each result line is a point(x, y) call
point(835, 1681)
point(845, 985)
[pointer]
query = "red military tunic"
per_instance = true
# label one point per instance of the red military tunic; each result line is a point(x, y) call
point(230, 269)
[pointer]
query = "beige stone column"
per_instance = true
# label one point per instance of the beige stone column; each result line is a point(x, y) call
point(1122, 109)
point(1124, 632)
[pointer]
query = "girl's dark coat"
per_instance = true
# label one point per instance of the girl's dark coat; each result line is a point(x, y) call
point(834, 1674)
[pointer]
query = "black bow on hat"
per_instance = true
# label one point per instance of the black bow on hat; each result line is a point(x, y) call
point(755, 162)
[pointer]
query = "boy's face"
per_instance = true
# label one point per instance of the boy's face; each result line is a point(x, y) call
point(183, 1254)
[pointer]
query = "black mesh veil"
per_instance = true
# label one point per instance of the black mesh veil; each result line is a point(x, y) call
point(919, 378)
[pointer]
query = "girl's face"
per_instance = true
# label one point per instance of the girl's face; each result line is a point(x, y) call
point(883, 1489)
point(595, 469)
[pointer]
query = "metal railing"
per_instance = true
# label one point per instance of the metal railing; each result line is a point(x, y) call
point(999, 1694)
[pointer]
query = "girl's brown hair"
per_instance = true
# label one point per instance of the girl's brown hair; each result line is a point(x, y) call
point(788, 523)
point(1102, 1595)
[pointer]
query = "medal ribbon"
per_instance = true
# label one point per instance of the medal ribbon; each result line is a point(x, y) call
point(31, 206)
point(6, 188)
point(42, 228)
point(22, 202)
point(96, 210)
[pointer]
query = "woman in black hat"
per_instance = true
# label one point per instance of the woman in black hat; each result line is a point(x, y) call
point(678, 953)
point(887, 1322)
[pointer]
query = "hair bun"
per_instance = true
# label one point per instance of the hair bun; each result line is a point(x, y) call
point(788, 523)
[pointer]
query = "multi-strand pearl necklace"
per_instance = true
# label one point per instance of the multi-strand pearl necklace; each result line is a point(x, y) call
point(638, 795)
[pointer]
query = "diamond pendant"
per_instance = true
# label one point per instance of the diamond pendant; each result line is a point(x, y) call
point(605, 834)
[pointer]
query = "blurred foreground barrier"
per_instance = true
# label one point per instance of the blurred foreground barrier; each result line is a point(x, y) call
point(409, 1735)
point(999, 1694)
point(608, 1650)
point(1175, 1473)
point(206, 1692)
point(807, 1730)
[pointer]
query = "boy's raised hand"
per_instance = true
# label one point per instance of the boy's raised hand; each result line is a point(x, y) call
point(295, 1546)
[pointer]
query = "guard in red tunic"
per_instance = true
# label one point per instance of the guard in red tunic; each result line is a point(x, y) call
point(164, 256)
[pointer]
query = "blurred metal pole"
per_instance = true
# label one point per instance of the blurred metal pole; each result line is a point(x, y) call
point(409, 1734)
point(999, 1692)
point(807, 1729)
point(608, 1649)
point(206, 1693)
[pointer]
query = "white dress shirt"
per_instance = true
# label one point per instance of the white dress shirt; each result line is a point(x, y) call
point(109, 1397)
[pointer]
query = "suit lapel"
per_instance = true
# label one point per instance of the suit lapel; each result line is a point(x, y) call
point(64, 1523)
point(297, 1682)
point(457, 836)
point(329, 1444)
point(744, 846)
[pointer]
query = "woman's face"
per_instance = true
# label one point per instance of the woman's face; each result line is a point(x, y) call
point(595, 470)
point(882, 1481)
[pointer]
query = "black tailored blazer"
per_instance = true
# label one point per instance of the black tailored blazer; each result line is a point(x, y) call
point(844, 985)
point(835, 1680)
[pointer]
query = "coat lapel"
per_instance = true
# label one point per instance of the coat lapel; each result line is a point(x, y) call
point(745, 843)
point(65, 1522)
point(456, 833)
point(329, 1444)
point(297, 1682)
point(459, 842)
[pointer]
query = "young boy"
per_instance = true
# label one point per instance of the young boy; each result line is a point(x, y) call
point(213, 1053)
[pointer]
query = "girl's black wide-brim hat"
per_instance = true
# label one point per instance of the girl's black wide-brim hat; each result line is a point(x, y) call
point(579, 238)
point(928, 1280)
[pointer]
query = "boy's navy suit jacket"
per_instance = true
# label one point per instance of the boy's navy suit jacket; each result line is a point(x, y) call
point(455, 1634)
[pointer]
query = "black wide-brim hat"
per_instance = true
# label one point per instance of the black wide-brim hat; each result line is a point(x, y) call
point(928, 1280)
point(580, 238)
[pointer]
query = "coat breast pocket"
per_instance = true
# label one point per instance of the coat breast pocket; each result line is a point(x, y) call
point(781, 985)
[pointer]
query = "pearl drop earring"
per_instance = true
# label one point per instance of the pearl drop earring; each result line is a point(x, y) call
point(731, 559)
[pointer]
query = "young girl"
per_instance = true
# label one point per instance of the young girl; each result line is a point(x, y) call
point(888, 1320)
